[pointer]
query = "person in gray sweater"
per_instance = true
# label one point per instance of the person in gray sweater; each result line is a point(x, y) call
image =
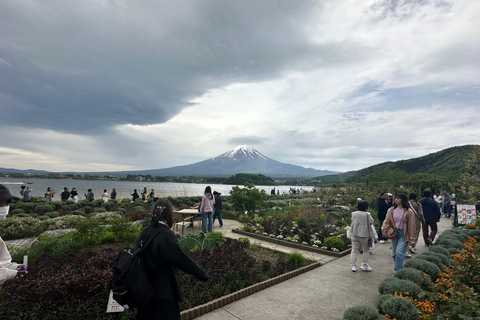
point(360, 229)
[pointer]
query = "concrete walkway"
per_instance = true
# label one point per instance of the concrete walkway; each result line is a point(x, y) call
point(323, 293)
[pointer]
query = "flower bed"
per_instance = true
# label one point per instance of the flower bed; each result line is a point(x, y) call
point(59, 288)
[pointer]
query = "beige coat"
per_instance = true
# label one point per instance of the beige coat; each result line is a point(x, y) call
point(409, 225)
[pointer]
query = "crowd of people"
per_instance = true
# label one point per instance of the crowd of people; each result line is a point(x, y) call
point(401, 220)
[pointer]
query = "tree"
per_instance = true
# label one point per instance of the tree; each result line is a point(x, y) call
point(470, 181)
point(247, 198)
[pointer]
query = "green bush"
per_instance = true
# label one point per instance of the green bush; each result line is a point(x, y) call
point(45, 217)
point(218, 237)
point(429, 268)
point(88, 232)
point(15, 211)
point(416, 276)
point(27, 206)
point(53, 214)
point(450, 243)
point(443, 259)
point(448, 234)
point(98, 210)
point(68, 202)
point(105, 217)
point(393, 284)
point(42, 208)
point(108, 237)
point(56, 205)
point(297, 258)
point(63, 222)
point(23, 215)
point(440, 249)
point(341, 223)
point(362, 313)
point(190, 244)
point(66, 209)
point(97, 203)
point(334, 242)
point(78, 212)
point(124, 229)
point(432, 259)
point(107, 205)
point(244, 241)
point(121, 210)
point(19, 228)
point(399, 308)
point(474, 232)
point(453, 250)
point(88, 209)
point(140, 208)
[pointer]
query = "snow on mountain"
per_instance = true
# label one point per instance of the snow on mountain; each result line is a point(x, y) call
point(242, 152)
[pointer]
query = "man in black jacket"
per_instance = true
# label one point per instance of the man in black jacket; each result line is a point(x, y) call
point(383, 204)
point(431, 213)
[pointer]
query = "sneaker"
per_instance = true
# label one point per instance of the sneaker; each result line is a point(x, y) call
point(354, 269)
point(411, 249)
point(429, 242)
point(407, 255)
point(381, 241)
point(366, 267)
point(190, 225)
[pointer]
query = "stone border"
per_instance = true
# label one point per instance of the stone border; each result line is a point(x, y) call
point(293, 245)
point(200, 310)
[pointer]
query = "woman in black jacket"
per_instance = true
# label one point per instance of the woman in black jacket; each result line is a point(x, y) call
point(164, 257)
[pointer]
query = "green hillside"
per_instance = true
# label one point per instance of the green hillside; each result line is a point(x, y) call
point(448, 164)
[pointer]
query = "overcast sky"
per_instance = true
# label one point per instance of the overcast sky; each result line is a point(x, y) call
point(95, 85)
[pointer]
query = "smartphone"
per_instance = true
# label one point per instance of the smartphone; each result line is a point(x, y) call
point(22, 269)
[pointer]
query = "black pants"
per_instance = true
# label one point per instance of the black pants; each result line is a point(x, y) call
point(159, 310)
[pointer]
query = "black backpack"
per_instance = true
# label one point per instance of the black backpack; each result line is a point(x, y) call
point(130, 282)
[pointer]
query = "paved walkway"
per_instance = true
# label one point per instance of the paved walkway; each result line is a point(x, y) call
point(323, 293)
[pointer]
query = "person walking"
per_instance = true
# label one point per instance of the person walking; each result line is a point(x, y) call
point(144, 193)
point(151, 194)
point(447, 204)
point(105, 195)
point(360, 229)
point(402, 218)
point(65, 194)
point(113, 194)
point(49, 194)
point(74, 194)
point(218, 208)
point(383, 204)
point(135, 195)
point(419, 219)
point(431, 213)
point(164, 258)
point(206, 209)
point(89, 196)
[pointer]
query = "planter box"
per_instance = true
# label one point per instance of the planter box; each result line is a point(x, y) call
point(237, 295)
point(292, 244)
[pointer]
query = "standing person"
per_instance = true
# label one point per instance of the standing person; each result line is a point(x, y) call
point(144, 193)
point(206, 208)
point(383, 205)
point(65, 194)
point(74, 194)
point(105, 195)
point(113, 194)
point(402, 218)
point(432, 214)
point(419, 219)
point(218, 208)
point(135, 195)
point(164, 258)
point(49, 194)
point(152, 207)
point(361, 232)
point(447, 204)
point(151, 194)
point(89, 196)
point(8, 269)
point(25, 192)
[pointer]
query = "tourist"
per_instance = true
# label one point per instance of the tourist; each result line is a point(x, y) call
point(152, 207)
point(135, 195)
point(447, 204)
point(65, 194)
point(383, 204)
point(105, 195)
point(206, 209)
point(74, 195)
point(419, 219)
point(401, 217)
point(113, 194)
point(8, 269)
point(89, 196)
point(25, 192)
point(164, 258)
point(218, 208)
point(360, 229)
point(144, 193)
point(49, 194)
point(432, 214)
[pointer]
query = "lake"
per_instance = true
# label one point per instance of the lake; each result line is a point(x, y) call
point(125, 188)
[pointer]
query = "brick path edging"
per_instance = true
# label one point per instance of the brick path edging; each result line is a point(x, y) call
point(293, 245)
point(237, 295)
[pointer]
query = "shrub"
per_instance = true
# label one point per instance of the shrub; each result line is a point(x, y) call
point(416, 276)
point(244, 241)
point(97, 203)
point(429, 268)
point(53, 214)
point(26, 206)
point(449, 234)
point(68, 202)
point(334, 242)
point(15, 211)
point(88, 232)
point(362, 313)
point(399, 308)
point(108, 237)
point(135, 215)
point(63, 222)
point(341, 223)
point(45, 217)
point(139, 208)
point(432, 259)
point(98, 210)
point(444, 259)
point(474, 232)
point(121, 210)
point(19, 228)
point(56, 205)
point(453, 250)
point(394, 284)
point(449, 243)
point(105, 217)
point(88, 209)
point(124, 229)
point(42, 208)
point(218, 237)
point(440, 249)
point(78, 212)
point(297, 258)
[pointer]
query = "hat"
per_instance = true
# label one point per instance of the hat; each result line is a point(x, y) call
point(359, 199)
point(5, 195)
point(389, 194)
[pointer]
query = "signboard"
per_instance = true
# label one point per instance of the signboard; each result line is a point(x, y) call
point(113, 305)
point(466, 213)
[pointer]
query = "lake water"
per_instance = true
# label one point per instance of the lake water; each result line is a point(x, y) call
point(125, 188)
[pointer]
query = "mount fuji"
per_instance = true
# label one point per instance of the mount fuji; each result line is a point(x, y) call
point(242, 159)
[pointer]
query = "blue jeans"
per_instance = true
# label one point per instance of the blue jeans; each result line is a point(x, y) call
point(447, 210)
point(48, 199)
point(207, 217)
point(218, 214)
point(398, 250)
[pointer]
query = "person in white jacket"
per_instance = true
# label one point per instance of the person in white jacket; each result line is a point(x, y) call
point(206, 208)
point(8, 269)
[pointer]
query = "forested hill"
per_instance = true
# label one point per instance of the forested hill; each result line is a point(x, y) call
point(448, 164)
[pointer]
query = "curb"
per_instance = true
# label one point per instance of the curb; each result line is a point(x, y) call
point(237, 295)
point(293, 245)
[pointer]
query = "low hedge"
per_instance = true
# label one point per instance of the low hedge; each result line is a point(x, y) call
point(416, 276)
point(440, 249)
point(432, 259)
point(362, 313)
point(394, 284)
point(399, 308)
point(450, 243)
point(444, 259)
point(428, 267)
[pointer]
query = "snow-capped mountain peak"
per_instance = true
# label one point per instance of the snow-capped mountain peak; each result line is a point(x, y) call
point(242, 151)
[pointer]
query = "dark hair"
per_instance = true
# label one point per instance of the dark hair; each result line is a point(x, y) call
point(427, 193)
point(155, 199)
point(362, 205)
point(163, 211)
point(22, 187)
point(404, 199)
point(208, 189)
point(412, 196)
point(104, 190)
point(382, 193)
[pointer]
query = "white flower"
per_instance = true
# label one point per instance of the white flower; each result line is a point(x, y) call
point(305, 243)
point(272, 235)
point(280, 237)
point(265, 234)
point(314, 245)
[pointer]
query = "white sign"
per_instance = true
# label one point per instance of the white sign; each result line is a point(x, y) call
point(466, 213)
point(113, 305)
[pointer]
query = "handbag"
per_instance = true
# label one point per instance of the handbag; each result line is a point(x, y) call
point(391, 232)
point(370, 239)
point(349, 232)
